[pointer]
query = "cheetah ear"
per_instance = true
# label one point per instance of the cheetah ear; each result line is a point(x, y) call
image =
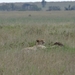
point(37, 40)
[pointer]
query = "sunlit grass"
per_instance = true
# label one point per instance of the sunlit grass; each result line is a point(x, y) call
point(18, 30)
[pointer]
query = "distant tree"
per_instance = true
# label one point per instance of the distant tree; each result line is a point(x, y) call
point(4, 7)
point(12, 6)
point(43, 3)
point(35, 8)
point(30, 7)
point(68, 8)
point(26, 6)
point(73, 8)
point(0, 7)
point(53, 8)
point(7, 7)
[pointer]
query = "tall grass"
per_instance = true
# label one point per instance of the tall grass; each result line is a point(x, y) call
point(19, 30)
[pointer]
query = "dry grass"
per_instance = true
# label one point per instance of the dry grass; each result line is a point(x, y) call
point(55, 62)
point(18, 31)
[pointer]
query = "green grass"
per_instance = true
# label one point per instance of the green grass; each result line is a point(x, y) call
point(18, 31)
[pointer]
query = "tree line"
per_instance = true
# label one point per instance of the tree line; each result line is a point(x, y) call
point(31, 7)
point(14, 7)
point(69, 7)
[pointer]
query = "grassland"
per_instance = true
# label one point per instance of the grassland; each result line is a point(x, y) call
point(19, 30)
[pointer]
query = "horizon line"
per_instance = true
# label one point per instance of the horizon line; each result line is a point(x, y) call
point(36, 1)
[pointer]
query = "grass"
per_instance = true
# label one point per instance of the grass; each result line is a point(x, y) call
point(18, 30)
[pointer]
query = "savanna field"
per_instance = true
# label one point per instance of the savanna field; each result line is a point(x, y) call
point(19, 29)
